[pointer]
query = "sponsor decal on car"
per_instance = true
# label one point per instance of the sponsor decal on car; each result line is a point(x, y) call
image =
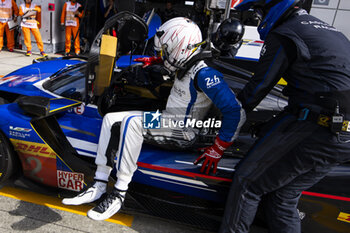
point(32, 79)
point(33, 148)
point(21, 80)
point(20, 129)
point(8, 79)
point(19, 132)
point(258, 43)
point(70, 180)
point(344, 217)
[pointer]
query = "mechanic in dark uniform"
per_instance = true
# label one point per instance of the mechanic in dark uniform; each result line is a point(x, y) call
point(299, 147)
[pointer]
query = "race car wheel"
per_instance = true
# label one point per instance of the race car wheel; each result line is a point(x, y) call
point(8, 158)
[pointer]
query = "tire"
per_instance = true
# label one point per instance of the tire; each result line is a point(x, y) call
point(8, 159)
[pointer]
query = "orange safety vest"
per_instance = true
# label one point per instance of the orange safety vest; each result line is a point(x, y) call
point(71, 20)
point(29, 22)
point(5, 11)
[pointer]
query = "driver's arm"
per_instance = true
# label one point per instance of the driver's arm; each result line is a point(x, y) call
point(211, 82)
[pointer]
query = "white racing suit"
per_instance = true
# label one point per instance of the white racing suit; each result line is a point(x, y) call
point(190, 98)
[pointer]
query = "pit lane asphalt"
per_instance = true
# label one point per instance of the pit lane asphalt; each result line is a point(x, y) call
point(30, 211)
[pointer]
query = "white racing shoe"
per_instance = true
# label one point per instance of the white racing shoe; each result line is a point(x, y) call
point(91, 194)
point(109, 206)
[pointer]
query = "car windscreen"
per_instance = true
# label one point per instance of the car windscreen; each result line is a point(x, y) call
point(69, 83)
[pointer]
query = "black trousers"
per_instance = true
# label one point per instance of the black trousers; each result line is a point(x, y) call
point(289, 157)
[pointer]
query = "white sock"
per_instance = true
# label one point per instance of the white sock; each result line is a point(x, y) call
point(102, 186)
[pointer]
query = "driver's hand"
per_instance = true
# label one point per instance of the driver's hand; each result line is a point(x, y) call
point(212, 155)
point(147, 61)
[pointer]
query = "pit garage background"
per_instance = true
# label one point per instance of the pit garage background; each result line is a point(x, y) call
point(334, 12)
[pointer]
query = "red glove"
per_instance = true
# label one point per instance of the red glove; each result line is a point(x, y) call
point(147, 61)
point(212, 155)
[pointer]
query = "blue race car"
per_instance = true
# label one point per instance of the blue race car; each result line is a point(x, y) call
point(51, 119)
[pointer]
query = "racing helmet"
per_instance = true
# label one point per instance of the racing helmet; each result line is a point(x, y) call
point(229, 34)
point(177, 41)
point(272, 11)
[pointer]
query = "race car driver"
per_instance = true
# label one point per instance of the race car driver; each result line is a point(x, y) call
point(71, 13)
point(191, 96)
point(30, 24)
point(300, 146)
point(8, 10)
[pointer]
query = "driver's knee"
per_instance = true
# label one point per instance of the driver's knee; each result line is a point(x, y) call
point(111, 118)
point(134, 124)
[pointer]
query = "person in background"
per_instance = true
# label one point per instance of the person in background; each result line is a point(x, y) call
point(28, 11)
point(169, 12)
point(110, 10)
point(71, 13)
point(125, 6)
point(8, 10)
point(199, 16)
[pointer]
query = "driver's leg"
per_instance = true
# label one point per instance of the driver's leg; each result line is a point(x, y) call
point(130, 143)
point(103, 161)
point(132, 134)
point(108, 142)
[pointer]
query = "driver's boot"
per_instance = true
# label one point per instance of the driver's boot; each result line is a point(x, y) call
point(91, 194)
point(109, 206)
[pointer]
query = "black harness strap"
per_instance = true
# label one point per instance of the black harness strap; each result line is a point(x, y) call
point(195, 59)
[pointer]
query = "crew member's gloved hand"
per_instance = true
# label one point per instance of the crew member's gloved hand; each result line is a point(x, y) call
point(147, 61)
point(212, 155)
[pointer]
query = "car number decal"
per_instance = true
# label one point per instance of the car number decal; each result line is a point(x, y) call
point(37, 168)
point(80, 109)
